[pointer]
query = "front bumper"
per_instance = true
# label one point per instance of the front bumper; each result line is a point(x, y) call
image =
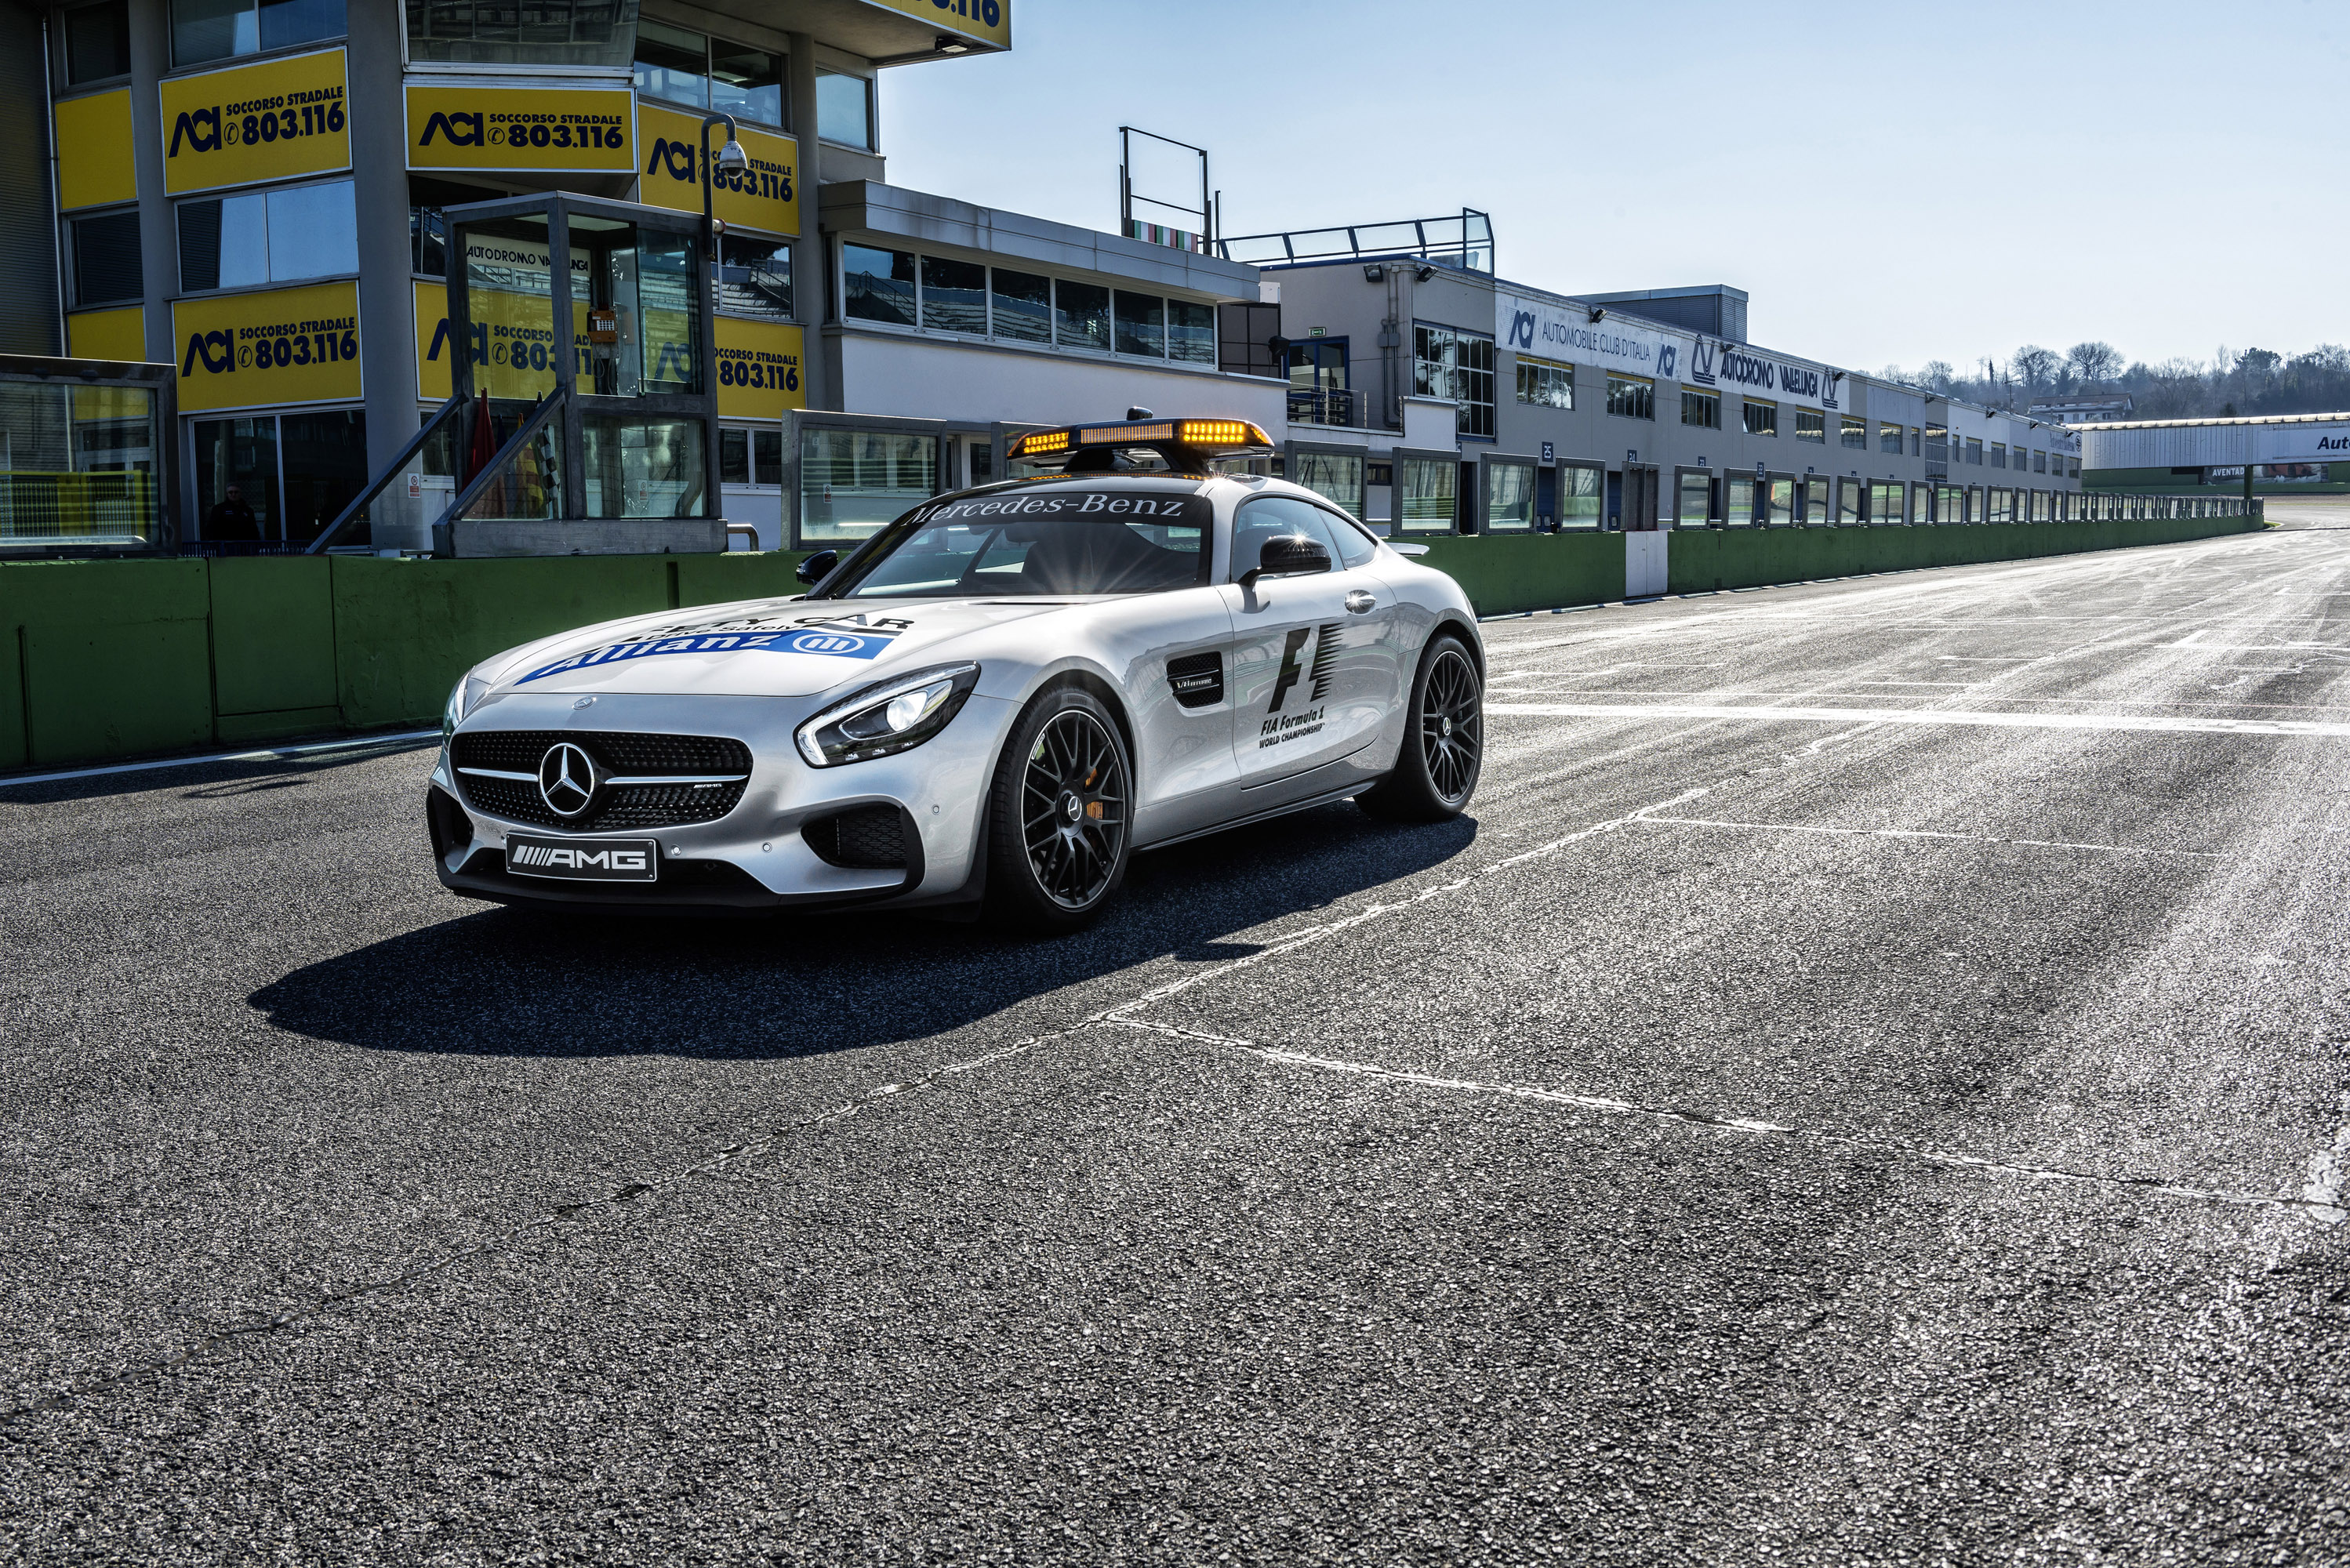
point(755, 857)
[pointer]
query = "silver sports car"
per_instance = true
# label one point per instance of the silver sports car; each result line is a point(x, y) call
point(995, 701)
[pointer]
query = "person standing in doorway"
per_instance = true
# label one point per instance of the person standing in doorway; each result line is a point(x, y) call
point(233, 519)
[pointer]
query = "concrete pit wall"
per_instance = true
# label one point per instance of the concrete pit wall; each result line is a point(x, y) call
point(104, 660)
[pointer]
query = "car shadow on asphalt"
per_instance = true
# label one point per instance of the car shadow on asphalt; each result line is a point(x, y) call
point(509, 982)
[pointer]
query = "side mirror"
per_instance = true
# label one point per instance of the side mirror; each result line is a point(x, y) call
point(1288, 555)
point(815, 567)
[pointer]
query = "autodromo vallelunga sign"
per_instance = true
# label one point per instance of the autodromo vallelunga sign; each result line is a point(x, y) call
point(273, 348)
point(280, 119)
point(587, 130)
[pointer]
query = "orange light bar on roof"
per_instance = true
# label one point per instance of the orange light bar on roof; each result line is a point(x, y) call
point(1125, 435)
point(1221, 433)
point(1040, 443)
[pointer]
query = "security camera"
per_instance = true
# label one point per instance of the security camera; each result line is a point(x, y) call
point(1598, 313)
point(1422, 272)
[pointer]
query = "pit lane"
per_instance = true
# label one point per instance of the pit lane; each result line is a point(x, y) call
point(1867, 1082)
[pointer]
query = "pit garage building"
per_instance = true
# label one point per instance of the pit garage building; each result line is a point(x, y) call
point(2281, 454)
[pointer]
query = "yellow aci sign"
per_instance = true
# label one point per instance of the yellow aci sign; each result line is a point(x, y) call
point(510, 347)
point(270, 348)
point(988, 20)
point(759, 373)
point(559, 130)
point(275, 121)
point(765, 196)
point(94, 157)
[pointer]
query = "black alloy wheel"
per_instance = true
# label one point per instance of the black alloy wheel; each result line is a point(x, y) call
point(1063, 814)
point(1452, 726)
point(1444, 741)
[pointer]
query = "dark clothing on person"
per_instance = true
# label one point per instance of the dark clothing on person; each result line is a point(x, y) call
point(234, 520)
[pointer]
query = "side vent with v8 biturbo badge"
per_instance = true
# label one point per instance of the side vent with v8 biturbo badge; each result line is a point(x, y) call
point(1196, 679)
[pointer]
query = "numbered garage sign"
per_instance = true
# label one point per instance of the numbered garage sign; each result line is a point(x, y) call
point(270, 348)
point(276, 120)
point(765, 196)
point(759, 372)
point(589, 130)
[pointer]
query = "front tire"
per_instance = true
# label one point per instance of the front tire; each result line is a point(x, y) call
point(1443, 744)
point(1060, 820)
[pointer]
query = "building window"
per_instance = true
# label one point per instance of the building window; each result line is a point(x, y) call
point(1022, 305)
point(1999, 454)
point(709, 73)
point(268, 236)
point(1855, 433)
point(754, 277)
point(1581, 489)
point(844, 109)
point(854, 481)
point(1703, 410)
point(1191, 332)
point(2039, 461)
point(1080, 315)
point(1141, 325)
point(879, 284)
point(544, 33)
point(1762, 419)
point(1938, 443)
point(1812, 425)
point(98, 43)
point(1888, 438)
point(1631, 396)
point(2072, 468)
point(954, 296)
point(1424, 497)
point(1779, 506)
point(264, 480)
point(1509, 497)
point(1693, 499)
point(1457, 366)
point(220, 29)
point(1974, 450)
point(1915, 450)
point(106, 260)
point(1544, 383)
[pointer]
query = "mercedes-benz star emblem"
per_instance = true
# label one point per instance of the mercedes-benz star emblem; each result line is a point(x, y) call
point(567, 779)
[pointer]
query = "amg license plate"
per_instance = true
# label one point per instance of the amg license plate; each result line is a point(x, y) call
point(584, 860)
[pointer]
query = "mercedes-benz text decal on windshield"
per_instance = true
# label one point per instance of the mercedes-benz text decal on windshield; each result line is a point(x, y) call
point(826, 636)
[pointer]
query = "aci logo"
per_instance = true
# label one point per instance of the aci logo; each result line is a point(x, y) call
point(199, 128)
point(201, 345)
point(1667, 358)
point(456, 130)
point(676, 158)
point(1522, 330)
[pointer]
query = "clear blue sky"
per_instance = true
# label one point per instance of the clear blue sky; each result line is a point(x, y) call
point(1892, 184)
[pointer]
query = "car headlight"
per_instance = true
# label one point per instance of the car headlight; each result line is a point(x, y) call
point(897, 715)
point(453, 710)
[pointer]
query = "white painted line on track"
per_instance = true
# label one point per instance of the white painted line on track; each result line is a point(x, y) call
point(2149, 724)
point(276, 753)
point(1931, 832)
point(2310, 1204)
point(2329, 1173)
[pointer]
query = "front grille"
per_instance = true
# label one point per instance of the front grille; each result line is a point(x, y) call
point(864, 837)
point(616, 809)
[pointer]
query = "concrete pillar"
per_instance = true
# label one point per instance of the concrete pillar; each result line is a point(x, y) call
point(809, 251)
point(380, 190)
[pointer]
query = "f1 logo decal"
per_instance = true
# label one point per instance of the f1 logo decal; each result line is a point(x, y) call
point(1293, 668)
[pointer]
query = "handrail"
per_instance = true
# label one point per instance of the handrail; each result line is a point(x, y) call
point(390, 470)
point(547, 406)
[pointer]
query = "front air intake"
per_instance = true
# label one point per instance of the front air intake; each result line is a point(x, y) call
point(864, 837)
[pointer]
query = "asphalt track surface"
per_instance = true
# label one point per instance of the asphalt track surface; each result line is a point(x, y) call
point(1915, 1134)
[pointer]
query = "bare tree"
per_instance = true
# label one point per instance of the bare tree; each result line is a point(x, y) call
point(2095, 361)
point(2032, 364)
point(1938, 375)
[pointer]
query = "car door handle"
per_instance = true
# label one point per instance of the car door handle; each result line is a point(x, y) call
point(1361, 603)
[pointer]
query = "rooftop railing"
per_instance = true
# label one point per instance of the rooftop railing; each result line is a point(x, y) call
point(1465, 242)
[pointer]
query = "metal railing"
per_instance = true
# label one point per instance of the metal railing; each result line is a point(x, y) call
point(391, 470)
point(100, 506)
point(1464, 241)
point(1326, 406)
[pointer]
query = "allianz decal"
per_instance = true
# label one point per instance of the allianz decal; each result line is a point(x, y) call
point(828, 637)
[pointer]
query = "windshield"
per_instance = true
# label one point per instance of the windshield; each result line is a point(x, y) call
point(1058, 542)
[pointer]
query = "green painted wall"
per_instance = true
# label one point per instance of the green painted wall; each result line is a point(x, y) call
point(105, 660)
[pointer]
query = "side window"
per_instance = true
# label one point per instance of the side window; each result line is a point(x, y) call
point(1269, 516)
point(1355, 547)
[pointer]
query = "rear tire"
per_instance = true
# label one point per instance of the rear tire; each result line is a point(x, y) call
point(1444, 743)
point(1060, 814)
